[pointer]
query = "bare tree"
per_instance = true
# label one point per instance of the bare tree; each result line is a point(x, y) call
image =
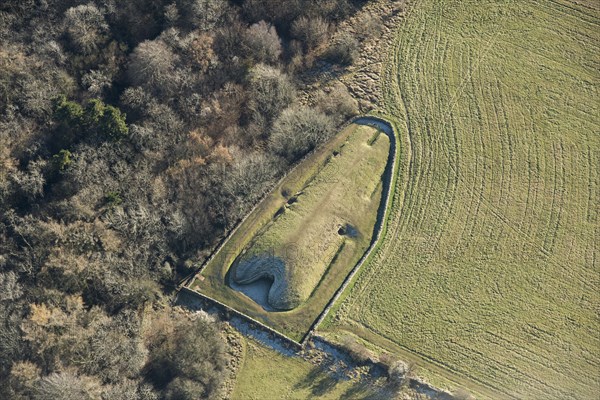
point(337, 103)
point(10, 337)
point(262, 43)
point(299, 130)
point(190, 350)
point(152, 66)
point(183, 389)
point(270, 91)
point(248, 178)
point(67, 386)
point(171, 14)
point(86, 27)
point(10, 289)
point(201, 52)
point(344, 50)
point(204, 15)
point(311, 32)
point(31, 183)
point(280, 12)
point(96, 82)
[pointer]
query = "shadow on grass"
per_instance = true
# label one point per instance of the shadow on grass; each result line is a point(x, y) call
point(319, 381)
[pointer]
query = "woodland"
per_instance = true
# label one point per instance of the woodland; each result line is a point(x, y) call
point(133, 136)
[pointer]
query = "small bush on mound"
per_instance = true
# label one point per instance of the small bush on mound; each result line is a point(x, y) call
point(299, 130)
point(398, 372)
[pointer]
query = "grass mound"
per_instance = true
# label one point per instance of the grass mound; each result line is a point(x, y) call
point(296, 248)
point(321, 220)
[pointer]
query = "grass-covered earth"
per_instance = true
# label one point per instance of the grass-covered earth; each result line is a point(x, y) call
point(296, 378)
point(306, 236)
point(330, 215)
point(488, 273)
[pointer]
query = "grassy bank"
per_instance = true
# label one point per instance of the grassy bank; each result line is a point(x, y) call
point(295, 378)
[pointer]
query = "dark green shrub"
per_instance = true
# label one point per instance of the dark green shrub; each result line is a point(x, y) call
point(112, 124)
point(61, 160)
point(113, 199)
point(69, 116)
point(96, 119)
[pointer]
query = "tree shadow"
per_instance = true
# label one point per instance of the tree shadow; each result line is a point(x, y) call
point(319, 381)
point(368, 391)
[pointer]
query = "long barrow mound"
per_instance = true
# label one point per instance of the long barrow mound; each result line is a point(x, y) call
point(288, 258)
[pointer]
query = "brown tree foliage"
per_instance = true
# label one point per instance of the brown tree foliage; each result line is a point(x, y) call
point(133, 136)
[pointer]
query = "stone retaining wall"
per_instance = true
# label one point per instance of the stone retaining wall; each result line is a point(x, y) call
point(293, 343)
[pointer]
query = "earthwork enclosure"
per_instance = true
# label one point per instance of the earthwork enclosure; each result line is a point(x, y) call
point(287, 259)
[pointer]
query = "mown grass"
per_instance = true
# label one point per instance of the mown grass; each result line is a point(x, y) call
point(489, 267)
point(321, 185)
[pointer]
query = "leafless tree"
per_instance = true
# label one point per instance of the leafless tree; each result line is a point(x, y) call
point(270, 91)
point(344, 50)
point(299, 130)
point(262, 43)
point(10, 289)
point(96, 82)
point(86, 27)
point(152, 66)
point(204, 15)
point(31, 182)
point(311, 32)
point(337, 103)
point(68, 386)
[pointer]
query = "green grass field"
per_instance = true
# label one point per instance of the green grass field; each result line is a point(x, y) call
point(267, 374)
point(488, 273)
point(340, 183)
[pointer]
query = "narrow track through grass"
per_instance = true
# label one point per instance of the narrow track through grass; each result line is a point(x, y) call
point(489, 268)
